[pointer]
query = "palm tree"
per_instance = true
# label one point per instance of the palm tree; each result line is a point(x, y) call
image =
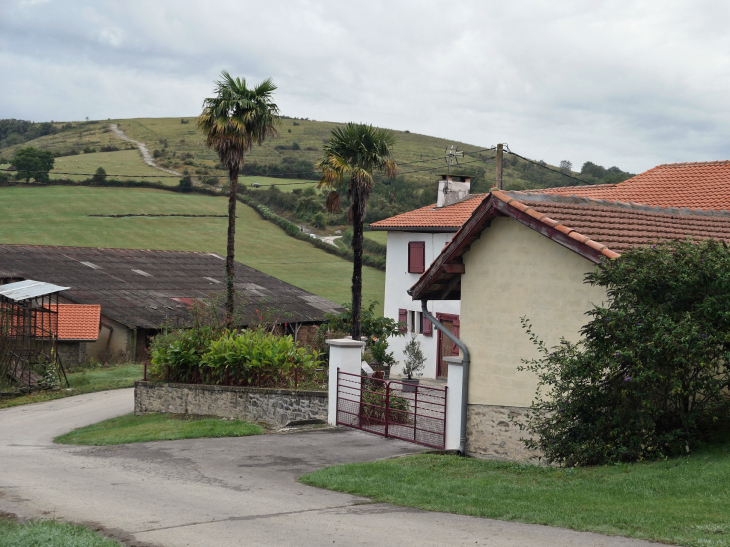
point(356, 151)
point(233, 120)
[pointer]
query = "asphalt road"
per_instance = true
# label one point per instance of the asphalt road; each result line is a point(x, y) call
point(223, 492)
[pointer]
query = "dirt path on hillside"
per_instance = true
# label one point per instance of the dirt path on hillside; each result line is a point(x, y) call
point(146, 156)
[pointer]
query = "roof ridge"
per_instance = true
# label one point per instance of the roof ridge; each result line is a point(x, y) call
point(687, 163)
point(556, 198)
point(542, 217)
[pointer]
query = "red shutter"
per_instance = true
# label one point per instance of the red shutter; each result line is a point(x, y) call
point(455, 331)
point(416, 257)
point(403, 320)
point(427, 326)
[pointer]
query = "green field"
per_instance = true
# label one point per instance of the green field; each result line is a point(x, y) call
point(285, 185)
point(58, 215)
point(380, 237)
point(127, 164)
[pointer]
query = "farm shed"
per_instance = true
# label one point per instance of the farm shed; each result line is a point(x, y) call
point(139, 290)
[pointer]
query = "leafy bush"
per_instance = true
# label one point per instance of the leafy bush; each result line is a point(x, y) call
point(414, 358)
point(177, 354)
point(99, 176)
point(255, 357)
point(649, 378)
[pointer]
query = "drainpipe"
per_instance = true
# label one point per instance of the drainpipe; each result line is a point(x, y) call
point(465, 374)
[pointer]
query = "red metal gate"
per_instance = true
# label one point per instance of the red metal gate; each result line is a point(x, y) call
point(410, 412)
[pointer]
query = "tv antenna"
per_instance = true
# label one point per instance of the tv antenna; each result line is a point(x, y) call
point(452, 158)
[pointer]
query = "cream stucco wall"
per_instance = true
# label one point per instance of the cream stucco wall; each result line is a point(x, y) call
point(513, 271)
point(120, 342)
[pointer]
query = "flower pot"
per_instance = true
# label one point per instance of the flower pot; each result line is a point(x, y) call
point(385, 369)
point(410, 385)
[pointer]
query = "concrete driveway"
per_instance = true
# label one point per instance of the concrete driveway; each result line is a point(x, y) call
point(223, 492)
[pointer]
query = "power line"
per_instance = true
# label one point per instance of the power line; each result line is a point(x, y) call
point(549, 168)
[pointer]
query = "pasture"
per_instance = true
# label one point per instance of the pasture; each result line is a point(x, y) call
point(58, 215)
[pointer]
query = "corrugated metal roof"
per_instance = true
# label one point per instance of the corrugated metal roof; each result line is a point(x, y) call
point(24, 290)
point(176, 277)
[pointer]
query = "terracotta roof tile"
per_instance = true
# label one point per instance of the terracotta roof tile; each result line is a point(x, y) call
point(78, 321)
point(698, 185)
point(451, 216)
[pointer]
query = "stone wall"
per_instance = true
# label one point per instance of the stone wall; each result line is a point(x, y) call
point(491, 434)
point(274, 407)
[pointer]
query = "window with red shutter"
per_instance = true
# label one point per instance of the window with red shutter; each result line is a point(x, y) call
point(403, 320)
point(416, 257)
point(455, 331)
point(427, 327)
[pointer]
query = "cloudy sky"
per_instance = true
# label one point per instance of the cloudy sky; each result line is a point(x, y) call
point(624, 83)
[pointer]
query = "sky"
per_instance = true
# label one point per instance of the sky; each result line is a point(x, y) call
point(626, 83)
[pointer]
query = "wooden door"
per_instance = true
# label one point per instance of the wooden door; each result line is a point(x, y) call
point(445, 347)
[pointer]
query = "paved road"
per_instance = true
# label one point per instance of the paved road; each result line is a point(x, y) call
point(223, 492)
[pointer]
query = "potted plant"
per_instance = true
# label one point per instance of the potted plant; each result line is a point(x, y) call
point(382, 359)
point(413, 363)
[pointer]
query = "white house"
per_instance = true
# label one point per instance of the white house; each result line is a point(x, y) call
point(415, 239)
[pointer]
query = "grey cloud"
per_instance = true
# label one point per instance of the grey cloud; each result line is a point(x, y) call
point(617, 83)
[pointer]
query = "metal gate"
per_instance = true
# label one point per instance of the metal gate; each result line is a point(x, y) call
point(410, 412)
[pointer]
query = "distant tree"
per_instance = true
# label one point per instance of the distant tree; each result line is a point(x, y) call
point(233, 120)
point(356, 152)
point(186, 184)
point(319, 220)
point(593, 170)
point(566, 166)
point(33, 163)
point(99, 177)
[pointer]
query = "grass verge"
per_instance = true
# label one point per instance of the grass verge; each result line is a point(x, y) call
point(156, 427)
point(84, 381)
point(51, 533)
point(682, 501)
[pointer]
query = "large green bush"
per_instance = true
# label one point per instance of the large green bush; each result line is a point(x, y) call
point(252, 357)
point(649, 378)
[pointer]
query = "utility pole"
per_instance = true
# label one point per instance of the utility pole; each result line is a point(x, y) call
point(500, 149)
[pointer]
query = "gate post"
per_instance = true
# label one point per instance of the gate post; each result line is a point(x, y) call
point(453, 403)
point(345, 356)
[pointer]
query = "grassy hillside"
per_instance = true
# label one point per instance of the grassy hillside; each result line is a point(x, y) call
point(123, 162)
point(58, 215)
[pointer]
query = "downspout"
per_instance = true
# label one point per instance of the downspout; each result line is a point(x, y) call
point(465, 373)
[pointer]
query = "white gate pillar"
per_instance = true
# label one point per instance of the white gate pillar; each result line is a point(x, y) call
point(345, 355)
point(453, 402)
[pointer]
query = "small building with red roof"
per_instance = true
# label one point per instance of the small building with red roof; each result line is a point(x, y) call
point(525, 254)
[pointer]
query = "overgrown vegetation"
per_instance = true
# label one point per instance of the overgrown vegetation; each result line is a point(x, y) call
point(649, 379)
point(682, 501)
point(156, 427)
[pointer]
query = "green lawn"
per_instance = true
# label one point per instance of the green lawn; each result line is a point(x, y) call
point(123, 162)
point(84, 381)
point(682, 501)
point(156, 427)
point(58, 215)
point(48, 533)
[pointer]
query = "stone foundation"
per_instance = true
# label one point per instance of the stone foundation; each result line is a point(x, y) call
point(491, 434)
point(273, 407)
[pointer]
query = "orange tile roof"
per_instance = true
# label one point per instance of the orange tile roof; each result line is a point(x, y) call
point(698, 185)
point(78, 321)
point(594, 229)
point(451, 217)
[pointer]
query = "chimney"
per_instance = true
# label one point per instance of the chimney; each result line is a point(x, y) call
point(452, 189)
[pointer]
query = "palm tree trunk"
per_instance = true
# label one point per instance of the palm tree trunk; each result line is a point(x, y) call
point(230, 247)
point(358, 208)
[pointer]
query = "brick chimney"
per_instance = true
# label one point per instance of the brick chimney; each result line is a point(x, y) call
point(452, 189)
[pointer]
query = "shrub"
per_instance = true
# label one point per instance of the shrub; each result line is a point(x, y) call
point(649, 378)
point(414, 358)
point(177, 354)
point(99, 176)
point(186, 184)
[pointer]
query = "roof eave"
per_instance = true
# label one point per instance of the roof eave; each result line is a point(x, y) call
point(423, 229)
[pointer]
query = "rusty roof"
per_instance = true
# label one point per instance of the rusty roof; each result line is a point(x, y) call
point(432, 218)
point(144, 288)
point(595, 229)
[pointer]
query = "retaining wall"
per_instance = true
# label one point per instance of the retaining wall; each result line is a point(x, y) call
point(273, 407)
point(492, 434)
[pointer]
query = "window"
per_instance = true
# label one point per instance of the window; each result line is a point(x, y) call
point(416, 257)
point(414, 321)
